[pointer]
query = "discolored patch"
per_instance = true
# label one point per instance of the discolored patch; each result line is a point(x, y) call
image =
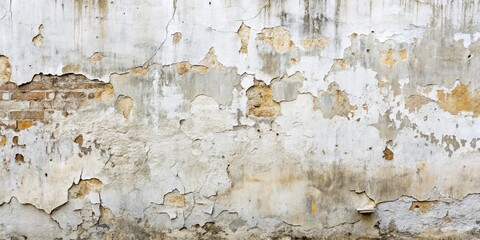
point(311, 43)
point(3, 141)
point(175, 199)
point(244, 35)
point(460, 99)
point(422, 206)
point(79, 140)
point(335, 102)
point(260, 101)
point(84, 187)
point(125, 105)
point(177, 37)
point(415, 102)
point(71, 68)
point(38, 39)
point(5, 69)
point(96, 57)
point(389, 59)
point(183, 67)
point(278, 37)
point(387, 154)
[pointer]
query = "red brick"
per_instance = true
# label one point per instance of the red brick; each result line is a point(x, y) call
point(29, 96)
point(18, 115)
point(8, 86)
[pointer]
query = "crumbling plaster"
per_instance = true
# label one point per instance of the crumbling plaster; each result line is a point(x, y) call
point(239, 119)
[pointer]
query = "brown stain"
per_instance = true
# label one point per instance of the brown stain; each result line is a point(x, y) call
point(387, 154)
point(260, 101)
point(414, 102)
point(24, 124)
point(460, 99)
point(142, 71)
point(84, 187)
point(175, 199)
point(183, 67)
point(293, 61)
point(5, 69)
point(311, 43)
point(19, 158)
point(71, 68)
point(3, 141)
point(422, 206)
point(277, 37)
point(210, 59)
point(79, 140)
point(177, 37)
point(243, 33)
point(389, 58)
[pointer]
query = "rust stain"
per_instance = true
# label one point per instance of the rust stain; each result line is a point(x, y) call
point(84, 187)
point(244, 35)
point(260, 101)
point(278, 37)
point(460, 99)
point(422, 206)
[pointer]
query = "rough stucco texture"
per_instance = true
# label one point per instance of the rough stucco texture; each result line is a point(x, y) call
point(239, 119)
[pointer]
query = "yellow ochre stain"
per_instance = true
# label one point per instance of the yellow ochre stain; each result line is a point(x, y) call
point(313, 206)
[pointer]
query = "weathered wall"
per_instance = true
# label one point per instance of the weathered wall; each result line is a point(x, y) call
point(235, 119)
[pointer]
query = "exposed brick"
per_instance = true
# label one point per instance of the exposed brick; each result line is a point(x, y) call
point(8, 86)
point(24, 124)
point(72, 95)
point(36, 86)
point(8, 124)
point(17, 115)
point(5, 95)
point(29, 96)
